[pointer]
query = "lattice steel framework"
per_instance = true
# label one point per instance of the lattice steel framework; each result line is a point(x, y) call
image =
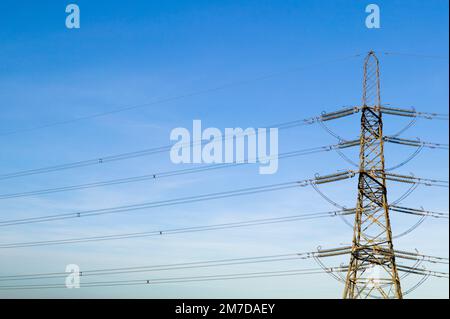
point(372, 270)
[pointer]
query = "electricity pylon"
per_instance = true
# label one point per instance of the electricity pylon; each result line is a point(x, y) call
point(372, 270)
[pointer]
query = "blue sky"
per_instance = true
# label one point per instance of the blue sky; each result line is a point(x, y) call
point(135, 52)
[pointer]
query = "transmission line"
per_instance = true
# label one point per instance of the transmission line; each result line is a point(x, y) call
point(164, 267)
point(419, 212)
point(158, 175)
point(176, 97)
point(193, 229)
point(415, 180)
point(416, 143)
point(206, 197)
point(413, 113)
point(166, 148)
point(265, 274)
point(232, 225)
point(248, 275)
point(161, 149)
point(416, 55)
point(320, 253)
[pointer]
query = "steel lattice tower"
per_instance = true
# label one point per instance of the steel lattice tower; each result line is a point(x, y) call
point(372, 270)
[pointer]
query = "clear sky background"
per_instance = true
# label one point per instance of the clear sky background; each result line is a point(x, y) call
point(137, 52)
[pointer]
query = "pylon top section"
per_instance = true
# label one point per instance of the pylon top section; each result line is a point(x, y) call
point(371, 84)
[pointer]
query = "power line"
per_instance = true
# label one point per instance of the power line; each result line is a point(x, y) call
point(265, 274)
point(413, 113)
point(402, 254)
point(419, 212)
point(164, 267)
point(161, 149)
point(195, 229)
point(417, 55)
point(182, 200)
point(176, 97)
point(201, 198)
point(200, 92)
point(157, 175)
point(178, 172)
point(320, 253)
point(415, 143)
point(410, 179)
point(192, 229)
point(153, 151)
point(423, 272)
point(155, 204)
point(184, 279)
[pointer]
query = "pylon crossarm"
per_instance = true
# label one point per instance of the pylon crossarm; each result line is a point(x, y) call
point(414, 179)
point(419, 212)
point(334, 177)
point(347, 144)
point(412, 113)
point(415, 143)
point(339, 114)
